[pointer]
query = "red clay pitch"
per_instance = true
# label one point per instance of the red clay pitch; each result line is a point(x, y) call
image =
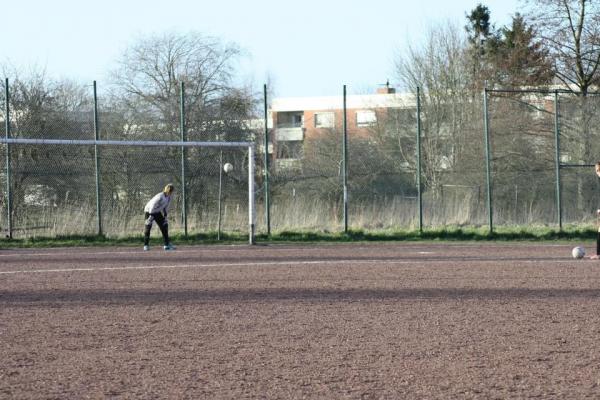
point(351, 321)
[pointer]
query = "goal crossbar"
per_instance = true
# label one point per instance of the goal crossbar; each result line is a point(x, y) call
point(161, 143)
point(157, 143)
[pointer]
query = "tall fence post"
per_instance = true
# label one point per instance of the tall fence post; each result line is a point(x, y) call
point(8, 172)
point(419, 189)
point(487, 160)
point(219, 215)
point(557, 162)
point(345, 162)
point(97, 162)
point(266, 166)
point(183, 154)
point(251, 205)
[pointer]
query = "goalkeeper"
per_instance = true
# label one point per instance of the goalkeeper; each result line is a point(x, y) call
point(156, 210)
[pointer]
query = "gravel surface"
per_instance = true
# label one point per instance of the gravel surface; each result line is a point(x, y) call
point(352, 321)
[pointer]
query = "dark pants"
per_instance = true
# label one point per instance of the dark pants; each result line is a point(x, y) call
point(162, 225)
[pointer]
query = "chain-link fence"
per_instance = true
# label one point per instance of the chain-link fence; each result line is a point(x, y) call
point(542, 147)
point(523, 149)
point(83, 189)
point(579, 124)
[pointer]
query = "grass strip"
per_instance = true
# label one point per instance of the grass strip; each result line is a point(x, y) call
point(568, 234)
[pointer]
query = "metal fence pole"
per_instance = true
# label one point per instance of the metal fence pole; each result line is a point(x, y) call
point(183, 154)
point(267, 200)
point(8, 172)
point(557, 161)
point(220, 195)
point(251, 205)
point(487, 160)
point(345, 162)
point(419, 189)
point(97, 162)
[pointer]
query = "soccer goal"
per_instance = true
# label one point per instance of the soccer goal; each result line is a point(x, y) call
point(54, 187)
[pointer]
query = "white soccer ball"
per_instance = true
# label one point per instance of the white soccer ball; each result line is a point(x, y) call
point(578, 252)
point(227, 167)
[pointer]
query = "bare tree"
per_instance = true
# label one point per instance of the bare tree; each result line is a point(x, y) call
point(570, 30)
point(441, 70)
point(146, 93)
point(42, 107)
point(149, 73)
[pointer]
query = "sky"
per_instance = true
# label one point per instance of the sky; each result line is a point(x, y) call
point(301, 48)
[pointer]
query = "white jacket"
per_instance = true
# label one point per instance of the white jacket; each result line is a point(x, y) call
point(158, 203)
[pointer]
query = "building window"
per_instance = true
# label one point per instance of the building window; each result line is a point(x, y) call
point(298, 120)
point(324, 120)
point(289, 150)
point(366, 118)
point(293, 119)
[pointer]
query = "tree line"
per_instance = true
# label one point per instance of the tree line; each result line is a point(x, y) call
point(141, 102)
point(553, 44)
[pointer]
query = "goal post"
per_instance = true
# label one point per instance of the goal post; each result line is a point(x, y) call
point(12, 144)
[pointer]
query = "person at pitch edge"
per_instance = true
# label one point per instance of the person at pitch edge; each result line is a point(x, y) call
point(597, 255)
point(156, 210)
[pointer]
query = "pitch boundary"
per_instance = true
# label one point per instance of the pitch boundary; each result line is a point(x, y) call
point(277, 263)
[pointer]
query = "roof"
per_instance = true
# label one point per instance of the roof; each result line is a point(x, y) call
point(394, 100)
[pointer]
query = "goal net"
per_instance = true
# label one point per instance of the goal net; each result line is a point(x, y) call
point(53, 187)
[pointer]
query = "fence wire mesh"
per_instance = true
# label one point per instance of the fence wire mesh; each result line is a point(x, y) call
point(53, 188)
point(522, 141)
point(131, 176)
point(381, 171)
point(3, 191)
point(306, 185)
point(453, 160)
point(580, 150)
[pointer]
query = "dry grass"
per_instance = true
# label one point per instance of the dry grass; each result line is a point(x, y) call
point(287, 214)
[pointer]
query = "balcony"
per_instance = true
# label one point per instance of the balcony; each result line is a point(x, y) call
point(297, 124)
point(286, 134)
point(288, 164)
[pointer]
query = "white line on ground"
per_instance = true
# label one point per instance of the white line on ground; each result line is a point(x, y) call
point(188, 250)
point(274, 263)
point(60, 252)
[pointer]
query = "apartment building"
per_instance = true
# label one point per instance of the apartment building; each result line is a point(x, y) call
point(295, 119)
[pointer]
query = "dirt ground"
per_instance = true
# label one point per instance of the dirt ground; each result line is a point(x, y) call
point(351, 321)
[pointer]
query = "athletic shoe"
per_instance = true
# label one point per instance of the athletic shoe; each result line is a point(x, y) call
point(169, 247)
point(146, 248)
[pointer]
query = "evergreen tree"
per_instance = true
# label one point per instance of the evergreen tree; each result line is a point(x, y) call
point(512, 56)
point(519, 56)
point(482, 38)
